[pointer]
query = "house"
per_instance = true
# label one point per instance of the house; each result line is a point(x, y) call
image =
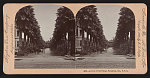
point(78, 39)
point(16, 41)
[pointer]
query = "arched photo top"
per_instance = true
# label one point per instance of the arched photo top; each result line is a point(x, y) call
point(24, 17)
point(65, 10)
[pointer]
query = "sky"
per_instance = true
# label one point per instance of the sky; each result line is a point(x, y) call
point(46, 16)
point(109, 15)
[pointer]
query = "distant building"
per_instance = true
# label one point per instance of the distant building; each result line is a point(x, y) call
point(16, 41)
point(78, 39)
point(21, 39)
point(85, 42)
point(110, 43)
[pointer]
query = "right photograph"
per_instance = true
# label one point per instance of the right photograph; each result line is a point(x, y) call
point(105, 37)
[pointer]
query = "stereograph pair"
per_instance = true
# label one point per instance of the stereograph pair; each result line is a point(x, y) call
point(75, 38)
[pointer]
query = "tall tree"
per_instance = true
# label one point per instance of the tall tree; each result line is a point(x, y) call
point(88, 20)
point(64, 24)
point(126, 26)
point(26, 22)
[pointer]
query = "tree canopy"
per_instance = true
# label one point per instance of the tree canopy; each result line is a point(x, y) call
point(126, 24)
point(88, 20)
point(26, 22)
point(64, 24)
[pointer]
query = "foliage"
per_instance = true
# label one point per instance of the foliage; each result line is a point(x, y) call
point(126, 24)
point(64, 24)
point(88, 20)
point(26, 22)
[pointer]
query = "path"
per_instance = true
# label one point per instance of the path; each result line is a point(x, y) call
point(104, 60)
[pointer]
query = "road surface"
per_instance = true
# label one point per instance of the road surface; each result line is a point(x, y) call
point(46, 60)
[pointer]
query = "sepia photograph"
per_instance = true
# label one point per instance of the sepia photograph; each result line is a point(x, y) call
point(75, 38)
point(53, 37)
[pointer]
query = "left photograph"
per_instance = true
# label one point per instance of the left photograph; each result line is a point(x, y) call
point(43, 35)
